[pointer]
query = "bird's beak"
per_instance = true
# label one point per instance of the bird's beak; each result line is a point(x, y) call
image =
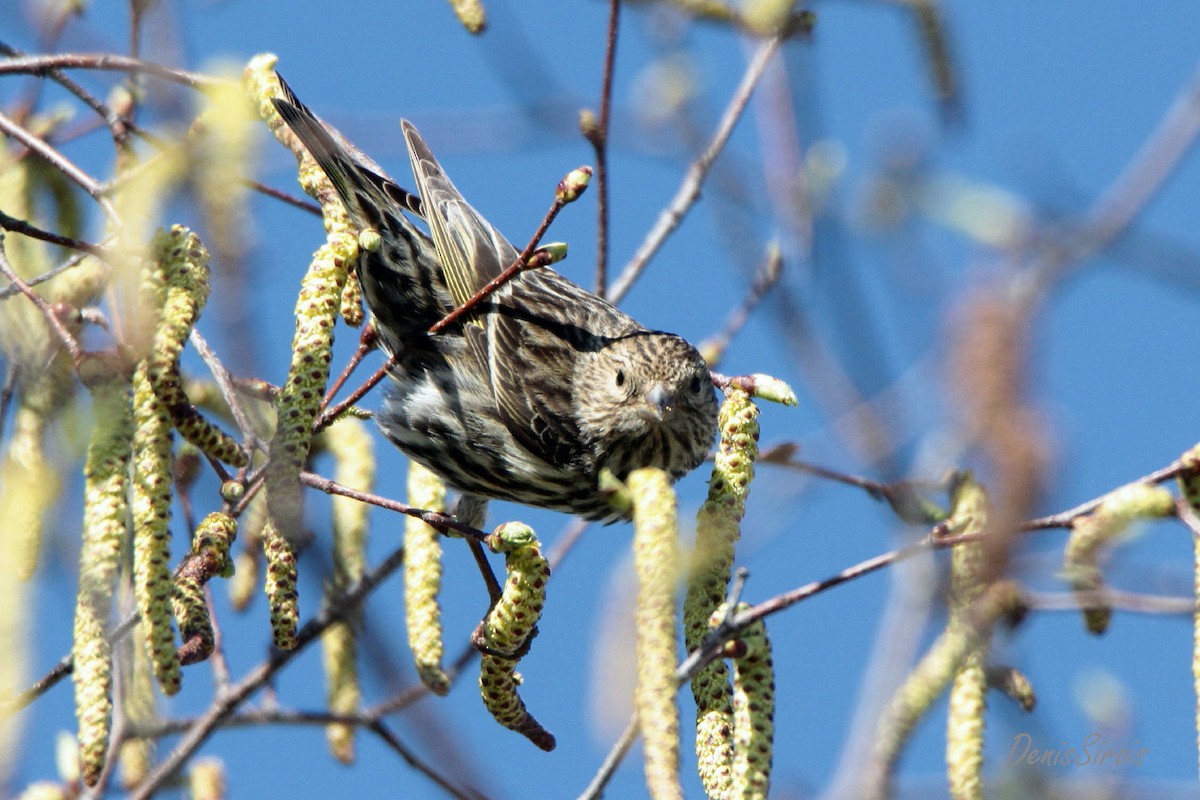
point(660, 401)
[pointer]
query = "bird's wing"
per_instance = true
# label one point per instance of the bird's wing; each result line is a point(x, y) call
point(529, 366)
point(532, 368)
point(472, 252)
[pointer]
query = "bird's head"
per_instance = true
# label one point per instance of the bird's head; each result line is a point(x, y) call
point(648, 391)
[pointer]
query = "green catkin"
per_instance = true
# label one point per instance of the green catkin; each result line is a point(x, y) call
point(498, 681)
point(510, 625)
point(753, 733)
point(280, 586)
point(925, 683)
point(718, 527)
point(657, 564)
point(350, 444)
point(351, 309)
point(1090, 534)
point(298, 402)
point(968, 692)
point(209, 557)
point(106, 482)
point(151, 507)
point(183, 262)
point(423, 579)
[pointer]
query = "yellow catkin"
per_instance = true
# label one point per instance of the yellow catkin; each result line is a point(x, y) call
point(1090, 534)
point(42, 369)
point(280, 586)
point(151, 506)
point(209, 557)
point(351, 308)
point(183, 261)
point(138, 706)
point(656, 561)
point(509, 626)
point(27, 455)
point(106, 482)
point(968, 692)
point(1189, 487)
point(718, 527)
point(925, 683)
point(753, 733)
point(471, 14)
point(45, 790)
point(299, 399)
point(423, 579)
point(350, 444)
point(206, 779)
point(26, 491)
point(223, 153)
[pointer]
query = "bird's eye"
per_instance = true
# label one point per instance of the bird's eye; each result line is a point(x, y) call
point(620, 377)
point(696, 385)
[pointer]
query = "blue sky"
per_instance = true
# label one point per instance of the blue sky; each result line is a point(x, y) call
point(1057, 100)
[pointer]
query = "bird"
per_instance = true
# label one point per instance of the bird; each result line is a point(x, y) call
point(535, 392)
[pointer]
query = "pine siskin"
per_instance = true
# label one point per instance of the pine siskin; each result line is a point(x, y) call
point(541, 387)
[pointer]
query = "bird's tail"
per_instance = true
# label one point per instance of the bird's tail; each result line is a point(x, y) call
point(365, 189)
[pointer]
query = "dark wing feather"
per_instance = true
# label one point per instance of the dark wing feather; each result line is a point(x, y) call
point(472, 252)
point(533, 328)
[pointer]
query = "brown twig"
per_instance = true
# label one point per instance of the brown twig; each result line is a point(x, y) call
point(26, 229)
point(43, 150)
point(48, 311)
point(526, 260)
point(598, 136)
point(118, 125)
point(42, 64)
point(286, 197)
point(764, 280)
point(443, 522)
point(689, 190)
point(222, 707)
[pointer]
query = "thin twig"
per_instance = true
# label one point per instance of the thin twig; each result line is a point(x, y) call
point(42, 64)
point(764, 280)
point(279, 194)
point(367, 342)
point(70, 263)
point(443, 522)
point(26, 229)
point(223, 706)
point(522, 263)
point(225, 384)
point(616, 755)
point(689, 190)
point(598, 136)
point(43, 306)
point(119, 126)
point(1064, 519)
point(60, 162)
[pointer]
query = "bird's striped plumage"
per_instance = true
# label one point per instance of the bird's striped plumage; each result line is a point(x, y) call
point(538, 389)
